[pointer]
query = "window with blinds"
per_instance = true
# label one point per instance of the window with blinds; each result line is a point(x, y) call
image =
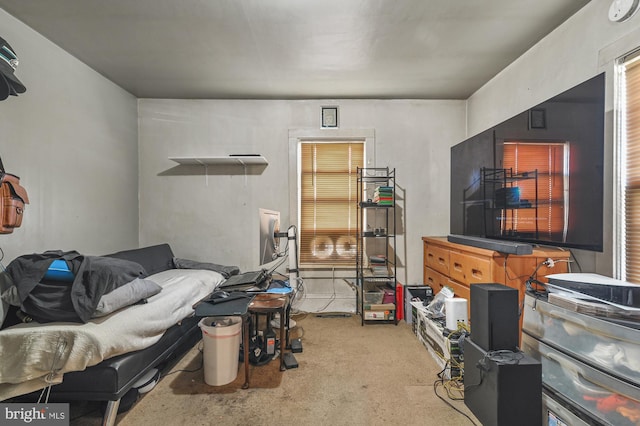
point(327, 198)
point(549, 159)
point(630, 168)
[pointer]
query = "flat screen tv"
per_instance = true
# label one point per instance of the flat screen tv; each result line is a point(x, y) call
point(536, 177)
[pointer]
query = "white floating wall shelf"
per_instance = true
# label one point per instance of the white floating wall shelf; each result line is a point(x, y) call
point(240, 160)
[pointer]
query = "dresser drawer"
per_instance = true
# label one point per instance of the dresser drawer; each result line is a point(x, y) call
point(434, 279)
point(463, 291)
point(460, 290)
point(437, 258)
point(469, 269)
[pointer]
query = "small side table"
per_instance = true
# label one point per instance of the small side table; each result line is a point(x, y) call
point(267, 303)
point(234, 306)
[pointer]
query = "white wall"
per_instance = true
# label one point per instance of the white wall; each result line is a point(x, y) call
point(214, 217)
point(72, 139)
point(586, 45)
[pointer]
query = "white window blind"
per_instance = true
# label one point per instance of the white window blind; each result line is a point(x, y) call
point(631, 169)
point(328, 197)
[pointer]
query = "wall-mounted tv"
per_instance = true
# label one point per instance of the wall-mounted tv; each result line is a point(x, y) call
point(536, 177)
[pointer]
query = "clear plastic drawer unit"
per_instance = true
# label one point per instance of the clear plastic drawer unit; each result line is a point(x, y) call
point(604, 344)
point(607, 399)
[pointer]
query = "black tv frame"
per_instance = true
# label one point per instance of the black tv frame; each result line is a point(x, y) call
point(576, 116)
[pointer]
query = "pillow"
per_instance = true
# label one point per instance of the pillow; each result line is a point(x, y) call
point(153, 259)
point(226, 271)
point(126, 295)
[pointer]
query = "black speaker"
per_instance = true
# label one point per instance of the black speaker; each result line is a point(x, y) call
point(494, 316)
point(502, 387)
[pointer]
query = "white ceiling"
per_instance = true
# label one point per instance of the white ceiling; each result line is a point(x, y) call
point(295, 49)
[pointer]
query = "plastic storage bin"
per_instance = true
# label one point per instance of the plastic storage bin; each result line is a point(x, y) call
point(555, 413)
point(422, 292)
point(373, 297)
point(221, 353)
point(606, 344)
point(607, 399)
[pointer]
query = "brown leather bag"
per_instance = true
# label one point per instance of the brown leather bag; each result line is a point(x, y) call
point(12, 200)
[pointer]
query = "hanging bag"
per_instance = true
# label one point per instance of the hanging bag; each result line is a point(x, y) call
point(12, 200)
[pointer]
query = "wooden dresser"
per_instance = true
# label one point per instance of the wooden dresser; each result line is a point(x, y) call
point(459, 266)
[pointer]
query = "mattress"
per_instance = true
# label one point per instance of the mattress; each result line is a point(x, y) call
point(34, 355)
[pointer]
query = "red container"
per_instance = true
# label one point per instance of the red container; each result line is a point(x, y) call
point(399, 301)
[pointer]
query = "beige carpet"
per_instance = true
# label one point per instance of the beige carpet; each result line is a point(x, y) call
point(347, 375)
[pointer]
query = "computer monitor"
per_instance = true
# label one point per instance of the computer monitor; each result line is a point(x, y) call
point(269, 235)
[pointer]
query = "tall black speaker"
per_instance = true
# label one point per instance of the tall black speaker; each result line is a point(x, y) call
point(494, 316)
point(502, 388)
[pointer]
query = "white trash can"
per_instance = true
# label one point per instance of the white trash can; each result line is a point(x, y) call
point(221, 352)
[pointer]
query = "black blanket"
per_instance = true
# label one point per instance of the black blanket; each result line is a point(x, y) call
point(48, 300)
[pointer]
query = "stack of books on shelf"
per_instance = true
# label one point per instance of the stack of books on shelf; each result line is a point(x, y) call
point(378, 266)
point(383, 196)
point(379, 270)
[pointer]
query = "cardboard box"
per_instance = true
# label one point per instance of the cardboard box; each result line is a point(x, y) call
point(378, 315)
point(379, 307)
point(413, 314)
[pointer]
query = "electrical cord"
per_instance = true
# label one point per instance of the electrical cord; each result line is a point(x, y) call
point(549, 262)
point(536, 287)
point(435, 391)
point(506, 270)
point(297, 290)
point(201, 350)
point(333, 295)
point(283, 257)
point(575, 259)
point(502, 357)
point(497, 356)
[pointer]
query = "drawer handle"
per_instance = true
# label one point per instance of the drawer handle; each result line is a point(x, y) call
point(554, 313)
point(457, 266)
point(558, 359)
point(476, 273)
point(441, 260)
point(579, 373)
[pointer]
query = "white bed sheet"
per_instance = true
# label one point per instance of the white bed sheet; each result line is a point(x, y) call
point(29, 352)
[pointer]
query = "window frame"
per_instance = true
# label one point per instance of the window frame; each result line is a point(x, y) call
point(620, 160)
point(296, 137)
